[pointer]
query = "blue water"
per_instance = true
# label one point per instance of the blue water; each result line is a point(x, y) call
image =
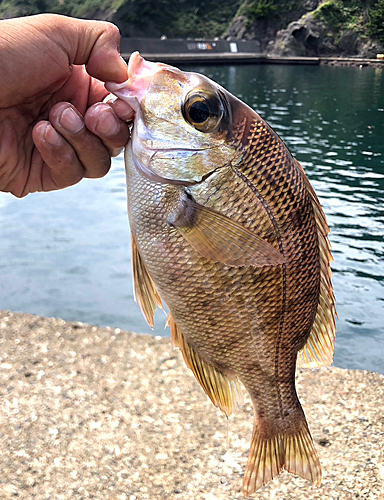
point(67, 254)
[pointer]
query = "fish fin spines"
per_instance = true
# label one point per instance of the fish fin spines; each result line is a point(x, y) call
point(219, 238)
point(301, 457)
point(271, 453)
point(266, 461)
point(318, 350)
point(224, 392)
point(144, 290)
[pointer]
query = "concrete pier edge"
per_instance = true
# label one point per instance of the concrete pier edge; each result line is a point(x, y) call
point(249, 58)
point(104, 414)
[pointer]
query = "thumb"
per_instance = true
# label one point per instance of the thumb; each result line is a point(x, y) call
point(93, 43)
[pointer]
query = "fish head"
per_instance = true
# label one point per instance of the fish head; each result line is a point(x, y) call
point(184, 122)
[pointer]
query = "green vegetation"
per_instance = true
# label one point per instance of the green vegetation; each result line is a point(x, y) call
point(209, 18)
point(342, 14)
point(270, 10)
point(261, 8)
point(258, 9)
point(74, 8)
point(174, 18)
point(182, 18)
point(376, 21)
point(365, 17)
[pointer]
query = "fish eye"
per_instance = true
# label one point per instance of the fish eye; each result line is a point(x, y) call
point(203, 111)
point(199, 112)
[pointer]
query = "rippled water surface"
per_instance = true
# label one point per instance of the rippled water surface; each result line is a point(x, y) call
point(67, 254)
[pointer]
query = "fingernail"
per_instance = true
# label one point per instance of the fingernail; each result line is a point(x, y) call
point(110, 99)
point(51, 136)
point(108, 124)
point(123, 110)
point(71, 121)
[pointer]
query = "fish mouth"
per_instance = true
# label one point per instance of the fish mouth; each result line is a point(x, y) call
point(140, 74)
point(153, 176)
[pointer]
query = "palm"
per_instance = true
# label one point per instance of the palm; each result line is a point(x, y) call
point(33, 84)
point(23, 157)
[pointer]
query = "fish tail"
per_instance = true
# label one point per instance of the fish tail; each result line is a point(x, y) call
point(273, 451)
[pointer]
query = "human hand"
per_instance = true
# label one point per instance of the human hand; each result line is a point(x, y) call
point(54, 129)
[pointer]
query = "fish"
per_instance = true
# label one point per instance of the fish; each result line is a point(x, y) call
point(228, 232)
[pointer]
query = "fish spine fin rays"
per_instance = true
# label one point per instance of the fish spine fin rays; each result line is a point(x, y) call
point(223, 391)
point(144, 291)
point(221, 239)
point(318, 350)
point(272, 453)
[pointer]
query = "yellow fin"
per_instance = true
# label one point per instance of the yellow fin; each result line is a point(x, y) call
point(272, 453)
point(318, 350)
point(144, 289)
point(223, 391)
point(219, 238)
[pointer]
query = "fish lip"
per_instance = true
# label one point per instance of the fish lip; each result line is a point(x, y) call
point(138, 66)
point(140, 73)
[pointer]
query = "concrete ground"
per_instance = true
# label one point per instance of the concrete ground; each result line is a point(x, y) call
point(100, 413)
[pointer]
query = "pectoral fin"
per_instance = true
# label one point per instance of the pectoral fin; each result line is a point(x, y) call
point(221, 239)
point(144, 289)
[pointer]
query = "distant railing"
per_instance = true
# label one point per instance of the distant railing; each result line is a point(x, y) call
point(180, 46)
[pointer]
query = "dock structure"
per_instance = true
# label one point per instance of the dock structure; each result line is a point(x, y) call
point(186, 52)
point(225, 58)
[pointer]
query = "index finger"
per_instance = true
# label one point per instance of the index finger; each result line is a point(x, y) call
point(93, 43)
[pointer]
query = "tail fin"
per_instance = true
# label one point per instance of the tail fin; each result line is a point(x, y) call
point(272, 452)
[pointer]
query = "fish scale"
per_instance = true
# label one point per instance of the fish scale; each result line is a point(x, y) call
point(228, 232)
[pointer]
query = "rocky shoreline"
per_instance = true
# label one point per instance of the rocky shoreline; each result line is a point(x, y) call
point(89, 412)
point(351, 62)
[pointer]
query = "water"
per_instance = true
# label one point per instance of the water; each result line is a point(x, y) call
point(67, 254)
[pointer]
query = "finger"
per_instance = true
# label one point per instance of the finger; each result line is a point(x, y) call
point(61, 166)
point(102, 121)
point(90, 150)
point(93, 43)
point(122, 109)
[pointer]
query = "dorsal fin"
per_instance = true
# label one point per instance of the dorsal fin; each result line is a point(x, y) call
point(320, 345)
point(144, 289)
point(223, 391)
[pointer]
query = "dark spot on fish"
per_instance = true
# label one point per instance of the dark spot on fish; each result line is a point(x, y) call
point(185, 214)
point(296, 218)
point(324, 442)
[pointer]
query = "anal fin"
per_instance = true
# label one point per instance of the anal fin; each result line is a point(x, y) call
point(144, 290)
point(223, 391)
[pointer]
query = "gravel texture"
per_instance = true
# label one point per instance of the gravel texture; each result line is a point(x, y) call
point(89, 412)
